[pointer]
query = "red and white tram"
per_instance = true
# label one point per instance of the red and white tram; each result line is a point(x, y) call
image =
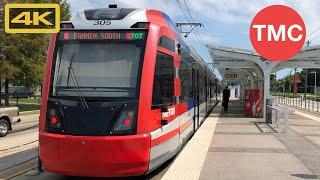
point(122, 93)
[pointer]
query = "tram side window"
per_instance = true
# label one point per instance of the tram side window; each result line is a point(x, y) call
point(163, 84)
point(167, 43)
point(186, 78)
point(190, 87)
point(208, 87)
point(213, 89)
point(202, 87)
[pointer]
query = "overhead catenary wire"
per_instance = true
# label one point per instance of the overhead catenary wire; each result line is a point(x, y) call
point(197, 34)
point(315, 37)
point(310, 38)
point(188, 20)
point(313, 32)
point(192, 19)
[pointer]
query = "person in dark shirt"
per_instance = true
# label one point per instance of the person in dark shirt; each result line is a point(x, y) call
point(226, 96)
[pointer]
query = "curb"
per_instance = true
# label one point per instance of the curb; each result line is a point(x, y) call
point(182, 168)
point(29, 112)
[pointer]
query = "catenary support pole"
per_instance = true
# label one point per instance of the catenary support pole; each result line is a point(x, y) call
point(266, 93)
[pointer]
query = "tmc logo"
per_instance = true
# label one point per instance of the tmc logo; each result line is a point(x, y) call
point(32, 18)
point(277, 33)
point(171, 112)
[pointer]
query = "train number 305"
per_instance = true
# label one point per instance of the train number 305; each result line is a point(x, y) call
point(102, 22)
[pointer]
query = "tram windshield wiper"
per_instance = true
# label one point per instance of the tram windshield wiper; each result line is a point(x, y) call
point(73, 76)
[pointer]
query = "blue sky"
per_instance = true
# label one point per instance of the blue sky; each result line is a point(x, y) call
point(226, 21)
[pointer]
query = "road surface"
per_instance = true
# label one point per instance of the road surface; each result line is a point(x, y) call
point(19, 148)
point(19, 153)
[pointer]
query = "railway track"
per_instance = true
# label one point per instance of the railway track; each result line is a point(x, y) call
point(24, 129)
point(18, 146)
point(20, 157)
point(20, 172)
point(18, 163)
point(19, 169)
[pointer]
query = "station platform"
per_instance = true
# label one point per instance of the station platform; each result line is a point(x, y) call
point(232, 146)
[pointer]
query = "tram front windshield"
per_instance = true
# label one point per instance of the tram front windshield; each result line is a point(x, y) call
point(98, 64)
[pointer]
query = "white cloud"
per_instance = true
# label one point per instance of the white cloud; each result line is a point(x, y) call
point(243, 11)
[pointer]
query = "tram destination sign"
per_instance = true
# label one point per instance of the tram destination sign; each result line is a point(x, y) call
point(101, 35)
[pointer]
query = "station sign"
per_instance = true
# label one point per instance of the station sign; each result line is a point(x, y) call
point(101, 35)
point(230, 76)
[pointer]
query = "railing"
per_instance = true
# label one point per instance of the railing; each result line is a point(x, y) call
point(24, 104)
point(280, 116)
point(300, 102)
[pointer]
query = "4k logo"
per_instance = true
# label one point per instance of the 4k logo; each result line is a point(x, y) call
point(32, 18)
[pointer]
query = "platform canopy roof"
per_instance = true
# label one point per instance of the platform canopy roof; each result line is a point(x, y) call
point(243, 63)
point(307, 58)
point(252, 71)
point(251, 65)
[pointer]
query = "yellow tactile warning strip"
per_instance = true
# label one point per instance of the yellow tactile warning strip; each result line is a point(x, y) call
point(189, 162)
point(315, 118)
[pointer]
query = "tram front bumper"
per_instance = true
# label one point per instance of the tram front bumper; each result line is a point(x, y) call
point(108, 156)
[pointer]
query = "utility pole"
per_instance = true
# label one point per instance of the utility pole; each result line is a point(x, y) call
point(290, 89)
point(308, 43)
point(295, 82)
point(315, 81)
point(305, 89)
point(284, 86)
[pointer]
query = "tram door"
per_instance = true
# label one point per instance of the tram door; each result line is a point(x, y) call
point(195, 88)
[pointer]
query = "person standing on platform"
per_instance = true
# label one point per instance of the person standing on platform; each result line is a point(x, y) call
point(225, 100)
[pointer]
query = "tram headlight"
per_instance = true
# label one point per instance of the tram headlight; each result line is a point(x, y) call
point(53, 120)
point(125, 124)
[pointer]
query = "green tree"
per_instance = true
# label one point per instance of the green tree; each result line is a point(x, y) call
point(273, 82)
point(22, 56)
point(307, 79)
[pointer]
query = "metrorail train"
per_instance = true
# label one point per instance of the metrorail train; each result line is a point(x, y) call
point(122, 93)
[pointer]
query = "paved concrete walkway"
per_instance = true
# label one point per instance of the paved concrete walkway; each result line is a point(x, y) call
point(245, 148)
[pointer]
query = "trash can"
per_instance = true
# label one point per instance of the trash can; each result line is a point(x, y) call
point(270, 102)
